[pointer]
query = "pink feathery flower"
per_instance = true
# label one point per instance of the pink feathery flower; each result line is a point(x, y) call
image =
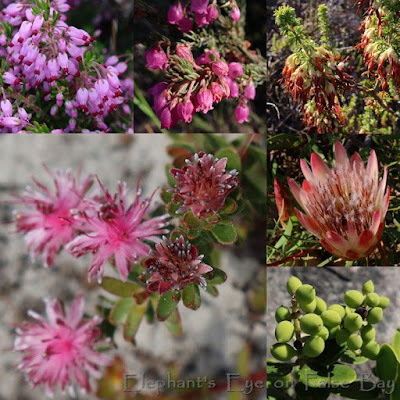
point(203, 185)
point(117, 230)
point(345, 206)
point(47, 222)
point(60, 350)
point(174, 265)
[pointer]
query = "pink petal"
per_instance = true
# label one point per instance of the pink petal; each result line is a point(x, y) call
point(342, 160)
point(75, 312)
point(357, 163)
point(365, 240)
point(376, 221)
point(296, 191)
point(372, 167)
point(309, 223)
point(306, 171)
point(319, 168)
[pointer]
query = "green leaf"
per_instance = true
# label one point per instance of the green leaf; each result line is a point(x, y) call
point(396, 344)
point(225, 234)
point(284, 238)
point(212, 290)
point(387, 364)
point(350, 358)
point(276, 369)
point(230, 206)
point(190, 221)
point(133, 320)
point(188, 295)
point(234, 161)
point(320, 377)
point(120, 310)
point(359, 390)
point(174, 324)
point(119, 288)
point(216, 277)
point(166, 305)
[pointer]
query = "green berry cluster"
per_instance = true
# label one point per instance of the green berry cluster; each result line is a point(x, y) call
point(310, 322)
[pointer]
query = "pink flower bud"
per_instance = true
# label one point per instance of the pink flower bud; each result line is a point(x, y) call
point(250, 92)
point(186, 24)
point(185, 111)
point(62, 59)
point(166, 118)
point(199, 6)
point(3, 39)
point(242, 112)
point(212, 14)
point(183, 51)
point(235, 70)
point(10, 122)
point(156, 58)
point(204, 100)
point(234, 87)
point(220, 68)
point(217, 92)
point(112, 77)
point(6, 107)
point(235, 13)
point(102, 87)
point(75, 52)
point(112, 61)
point(82, 96)
point(25, 30)
point(37, 24)
point(201, 19)
point(53, 111)
point(52, 70)
point(11, 79)
point(13, 9)
point(175, 13)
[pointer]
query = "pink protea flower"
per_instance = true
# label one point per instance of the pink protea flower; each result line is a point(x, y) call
point(115, 229)
point(345, 206)
point(203, 185)
point(60, 350)
point(47, 222)
point(174, 265)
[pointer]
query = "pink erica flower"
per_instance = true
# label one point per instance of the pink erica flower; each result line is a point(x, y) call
point(175, 13)
point(242, 112)
point(345, 206)
point(203, 185)
point(235, 13)
point(117, 229)
point(174, 265)
point(47, 221)
point(156, 58)
point(235, 70)
point(60, 350)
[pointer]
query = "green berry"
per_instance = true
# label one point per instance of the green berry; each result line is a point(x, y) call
point(282, 351)
point(308, 308)
point(284, 331)
point(368, 287)
point(374, 315)
point(354, 342)
point(293, 284)
point(367, 333)
point(372, 300)
point(370, 350)
point(353, 322)
point(305, 294)
point(313, 346)
point(384, 302)
point(321, 305)
point(282, 314)
point(339, 309)
point(324, 333)
point(353, 298)
point(311, 324)
point(342, 336)
point(331, 318)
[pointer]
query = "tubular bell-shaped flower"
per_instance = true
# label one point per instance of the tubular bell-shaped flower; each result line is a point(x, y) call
point(60, 350)
point(115, 229)
point(345, 206)
point(47, 223)
point(203, 185)
point(174, 265)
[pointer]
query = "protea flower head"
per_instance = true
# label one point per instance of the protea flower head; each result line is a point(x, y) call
point(203, 185)
point(173, 265)
point(114, 229)
point(345, 206)
point(47, 222)
point(60, 350)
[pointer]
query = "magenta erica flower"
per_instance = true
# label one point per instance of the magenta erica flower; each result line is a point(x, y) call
point(114, 229)
point(47, 222)
point(203, 185)
point(174, 265)
point(345, 206)
point(60, 350)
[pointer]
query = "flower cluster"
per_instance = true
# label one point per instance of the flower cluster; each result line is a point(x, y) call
point(203, 185)
point(345, 207)
point(174, 265)
point(60, 350)
point(321, 79)
point(196, 85)
point(380, 46)
point(45, 54)
point(200, 11)
point(104, 225)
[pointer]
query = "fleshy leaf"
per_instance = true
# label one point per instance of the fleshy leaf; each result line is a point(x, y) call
point(319, 377)
point(120, 310)
point(166, 305)
point(133, 320)
point(387, 364)
point(216, 277)
point(119, 288)
point(174, 324)
point(190, 221)
point(234, 161)
point(225, 234)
